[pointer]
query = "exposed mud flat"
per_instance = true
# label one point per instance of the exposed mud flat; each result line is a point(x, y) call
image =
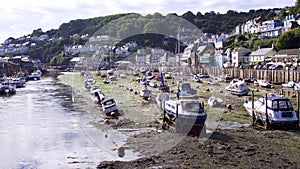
point(242, 148)
point(230, 142)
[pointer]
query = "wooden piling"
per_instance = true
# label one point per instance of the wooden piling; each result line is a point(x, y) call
point(253, 115)
point(267, 116)
point(298, 106)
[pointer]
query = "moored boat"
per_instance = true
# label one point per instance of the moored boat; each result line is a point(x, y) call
point(36, 75)
point(7, 88)
point(189, 115)
point(109, 106)
point(273, 110)
point(145, 93)
point(238, 87)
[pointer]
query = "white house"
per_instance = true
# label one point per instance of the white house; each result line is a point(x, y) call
point(44, 37)
point(240, 55)
point(141, 56)
point(260, 55)
point(289, 22)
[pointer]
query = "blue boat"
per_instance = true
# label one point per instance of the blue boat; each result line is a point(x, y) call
point(35, 75)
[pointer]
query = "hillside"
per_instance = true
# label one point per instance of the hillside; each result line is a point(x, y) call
point(71, 33)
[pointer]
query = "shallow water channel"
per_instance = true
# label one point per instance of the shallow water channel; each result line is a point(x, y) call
point(40, 129)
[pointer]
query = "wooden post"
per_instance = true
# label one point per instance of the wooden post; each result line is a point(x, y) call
point(298, 106)
point(177, 110)
point(253, 115)
point(267, 116)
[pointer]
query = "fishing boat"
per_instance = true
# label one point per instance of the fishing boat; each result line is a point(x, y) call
point(17, 82)
point(122, 75)
point(89, 82)
point(105, 81)
point(109, 106)
point(7, 88)
point(96, 95)
point(238, 87)
point(272, 111)
point(153, 83)
point(264, 83)
point(227, 78)
point(145, 93)
point(290, 84)
point(196, 79)
point(214, 101)
point(36, 75)
point(188, 113)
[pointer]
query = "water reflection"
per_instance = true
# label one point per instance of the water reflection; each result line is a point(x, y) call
point(39, 128)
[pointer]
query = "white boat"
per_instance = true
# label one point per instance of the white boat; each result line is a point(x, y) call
point(273, 111)
point(264, 83)
point(112, 78)
point(35, 75)
point(17, 82)
point(110, 72)
point(109, 106)
point(168, 76)
point(96, 94)
point(122, 75)
point(213, 82)
point(214, 101)
point(145, 93)
point(238, 87)
point(153, 83)
point(290, 84)
point(89, 82)
point(105, 81)
point(297, 86)
point(189, 114)
point(196, 79)
point(7, 88)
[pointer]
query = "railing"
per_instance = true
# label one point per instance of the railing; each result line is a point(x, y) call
point(275, 76)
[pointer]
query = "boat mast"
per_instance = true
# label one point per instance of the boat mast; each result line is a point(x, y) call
point(179, 64)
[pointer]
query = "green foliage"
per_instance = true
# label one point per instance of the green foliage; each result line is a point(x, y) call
point(295, 9)
point(289, 40)
point(263, 43)
point(141, 30)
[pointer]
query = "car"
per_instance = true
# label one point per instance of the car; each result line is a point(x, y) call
point(266, 66)
point(277, 67)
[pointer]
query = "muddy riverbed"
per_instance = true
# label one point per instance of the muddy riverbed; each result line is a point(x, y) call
point(230, 140)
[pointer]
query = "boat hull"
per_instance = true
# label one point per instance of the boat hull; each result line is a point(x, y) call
point(238, 92)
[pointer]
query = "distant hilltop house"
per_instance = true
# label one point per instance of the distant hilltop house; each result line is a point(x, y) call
point(101, 38)
point(269, 28)
point(290, 22)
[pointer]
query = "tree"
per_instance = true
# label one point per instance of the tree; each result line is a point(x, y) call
point(289, 40)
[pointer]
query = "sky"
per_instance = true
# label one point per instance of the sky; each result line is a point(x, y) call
point(21, 17)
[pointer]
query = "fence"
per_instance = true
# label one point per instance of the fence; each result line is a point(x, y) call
point(275, 76)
